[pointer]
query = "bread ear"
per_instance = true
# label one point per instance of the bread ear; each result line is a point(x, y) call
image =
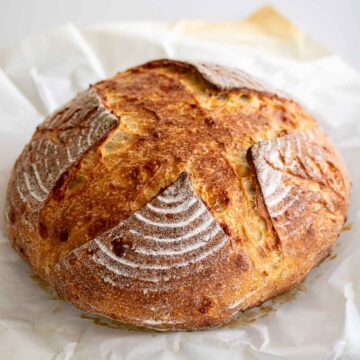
point(219, 77)
point(227, 78)
point(305, 188)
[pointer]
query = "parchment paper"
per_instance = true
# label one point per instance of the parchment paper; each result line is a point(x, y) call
point(320, 321)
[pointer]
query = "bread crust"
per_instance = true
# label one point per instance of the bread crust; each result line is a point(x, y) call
point(175, 195)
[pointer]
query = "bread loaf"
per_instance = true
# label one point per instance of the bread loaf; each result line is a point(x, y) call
point(175, 195)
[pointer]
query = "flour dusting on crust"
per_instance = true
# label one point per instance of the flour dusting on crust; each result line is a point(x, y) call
point(298, 178)
point(159, 244)
point(66, 136)
point(230, 78)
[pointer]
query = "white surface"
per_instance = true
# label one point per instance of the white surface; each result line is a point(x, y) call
point(334, 23)
point(321, 323)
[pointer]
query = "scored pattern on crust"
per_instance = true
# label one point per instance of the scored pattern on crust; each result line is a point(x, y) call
point(300, 179)
point(220, 77)
point(69, 133)
point(228, 78)
point(159, 243)
point(170, 264)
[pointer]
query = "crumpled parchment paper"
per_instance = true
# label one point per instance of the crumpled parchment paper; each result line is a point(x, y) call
point(319, 321)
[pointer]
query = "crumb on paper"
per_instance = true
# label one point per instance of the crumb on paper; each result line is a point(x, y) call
point(103, 321)
point(252, 315)
point(347, 227)
point(44, 285)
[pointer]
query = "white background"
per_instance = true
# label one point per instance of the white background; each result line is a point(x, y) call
point(333, 23)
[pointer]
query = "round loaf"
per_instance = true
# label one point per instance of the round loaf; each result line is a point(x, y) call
point(175, 195)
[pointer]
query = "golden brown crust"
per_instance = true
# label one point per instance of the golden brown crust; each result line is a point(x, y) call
point(168, 256)
point(45, 167)
point(233, 137)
